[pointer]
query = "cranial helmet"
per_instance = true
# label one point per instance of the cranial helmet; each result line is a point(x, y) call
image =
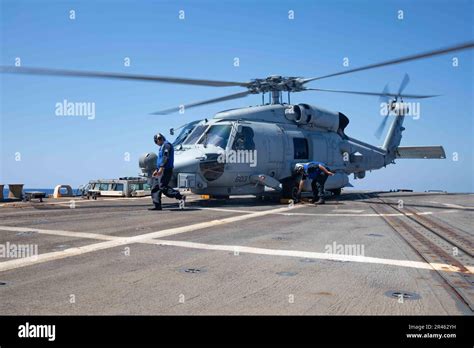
point(158, 136)
point(299, 167)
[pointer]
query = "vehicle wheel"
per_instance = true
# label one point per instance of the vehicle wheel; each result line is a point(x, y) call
point(289, 189)
point(336, 192)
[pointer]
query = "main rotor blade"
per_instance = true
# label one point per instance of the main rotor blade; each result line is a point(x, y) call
point(459, 47)
point(204, 102)
point(107, 75)
point(383, 94)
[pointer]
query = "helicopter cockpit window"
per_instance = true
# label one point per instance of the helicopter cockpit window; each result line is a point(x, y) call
point(195, 135)
point(300, 146)
point(217, 135)
point(187, 129)
point(244, 140)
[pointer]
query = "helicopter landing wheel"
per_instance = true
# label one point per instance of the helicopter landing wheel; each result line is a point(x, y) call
point(289, 190)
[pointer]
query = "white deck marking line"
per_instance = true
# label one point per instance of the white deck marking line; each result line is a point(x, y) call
point(193, 245)
point(118, 241)
point(308, 214)
point(79, 200)
point(85, 235)
point(457, 206)
point(228, 210)
point(306, 254)
point(65, 203)
point(346, 214)
point(327, 214)
point(451, 205)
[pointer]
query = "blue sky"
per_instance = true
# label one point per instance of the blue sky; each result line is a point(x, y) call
point(73, 150)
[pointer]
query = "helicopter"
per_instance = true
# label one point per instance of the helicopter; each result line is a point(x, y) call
point(254, 150)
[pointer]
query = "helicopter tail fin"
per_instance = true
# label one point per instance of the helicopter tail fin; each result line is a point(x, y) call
point(393, 150)
point(394, 135)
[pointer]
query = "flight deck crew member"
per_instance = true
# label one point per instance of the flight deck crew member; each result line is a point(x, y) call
point(162, 175)
point(318, 172)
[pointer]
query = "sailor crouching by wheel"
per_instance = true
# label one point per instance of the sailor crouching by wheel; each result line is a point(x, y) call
point(318, 172)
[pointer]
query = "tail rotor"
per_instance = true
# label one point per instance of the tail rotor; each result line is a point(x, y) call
point(390, 104)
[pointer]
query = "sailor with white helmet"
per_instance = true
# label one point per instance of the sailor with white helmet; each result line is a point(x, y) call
point(318, 172)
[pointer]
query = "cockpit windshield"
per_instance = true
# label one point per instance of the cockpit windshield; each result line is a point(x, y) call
point(217, 135)
point(187, 129)
point(195, 135)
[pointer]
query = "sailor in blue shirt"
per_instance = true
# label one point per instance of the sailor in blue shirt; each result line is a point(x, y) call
point(162, 175)
point(318, 172)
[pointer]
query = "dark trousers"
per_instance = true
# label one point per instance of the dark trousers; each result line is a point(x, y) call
point(160, 186)
point(318, 186)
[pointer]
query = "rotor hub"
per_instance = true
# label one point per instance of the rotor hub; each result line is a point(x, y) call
point(276, 83)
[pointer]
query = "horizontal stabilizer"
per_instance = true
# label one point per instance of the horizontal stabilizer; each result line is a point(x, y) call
point(420, 152)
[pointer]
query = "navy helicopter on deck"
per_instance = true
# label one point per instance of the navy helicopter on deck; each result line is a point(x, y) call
point(253, 150)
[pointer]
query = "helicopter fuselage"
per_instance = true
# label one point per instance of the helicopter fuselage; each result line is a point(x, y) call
point(251, 150)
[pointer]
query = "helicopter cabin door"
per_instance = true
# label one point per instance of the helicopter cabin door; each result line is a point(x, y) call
point(272, 160)
point(319, 148)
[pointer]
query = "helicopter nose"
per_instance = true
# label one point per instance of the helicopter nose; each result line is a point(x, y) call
point(197, 162)
point(211, 168)
point(188, 161)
